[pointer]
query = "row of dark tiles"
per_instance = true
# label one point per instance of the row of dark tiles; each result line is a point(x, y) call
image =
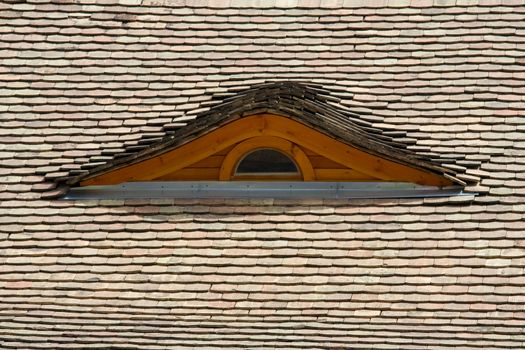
point(420, 56)
point(56, 85)
point(353, 296)
point(122, 215)
point(131, 314)
point(498, 321)
point(493, 32)
point(416, 229)
point(216, 83)
point(126, 222)
point(363, 231)
point(355, 277)
point(315, 5)
point(472, 60)
point(401, 13)
point(318, 9)
point(84, 74)
point(192, 211)
point(301, 26)
point(481, 268)
point(16, 341)
point(251, 325)
point(64, 343)
point(267, 261)
point(295, 287)
point(126, 218)
point(263, 259)
point(280, 247)
point(47, 36)
point(245, 206)
point(342, 309)
point(173, 47)
point(219, 333)
point(274, 245)
point(138, 331)
point(497, 35)
point(379, 68)
point(432, 82)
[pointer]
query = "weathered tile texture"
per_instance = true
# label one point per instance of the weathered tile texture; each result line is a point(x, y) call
point(80, 82)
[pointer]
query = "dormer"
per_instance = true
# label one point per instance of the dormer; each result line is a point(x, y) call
point(278, 133)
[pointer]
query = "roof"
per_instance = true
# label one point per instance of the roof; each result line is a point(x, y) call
point(82, 84)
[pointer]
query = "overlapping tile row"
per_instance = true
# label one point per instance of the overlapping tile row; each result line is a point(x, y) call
point(270, 274)
point(80, 83)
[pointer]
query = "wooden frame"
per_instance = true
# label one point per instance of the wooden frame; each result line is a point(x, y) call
point(243, 148)
point(266, 125)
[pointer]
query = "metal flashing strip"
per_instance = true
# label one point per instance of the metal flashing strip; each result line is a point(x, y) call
point(250, 189)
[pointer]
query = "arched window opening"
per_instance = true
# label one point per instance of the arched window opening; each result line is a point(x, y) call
point(266, 162)
point(266, 158)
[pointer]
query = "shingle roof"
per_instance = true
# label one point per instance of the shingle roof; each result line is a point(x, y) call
point(83, 82)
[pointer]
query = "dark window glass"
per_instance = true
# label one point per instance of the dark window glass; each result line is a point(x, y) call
point(266, 161)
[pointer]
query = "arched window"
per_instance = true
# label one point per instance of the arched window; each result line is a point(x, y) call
point(266, 162)
point(266, 158)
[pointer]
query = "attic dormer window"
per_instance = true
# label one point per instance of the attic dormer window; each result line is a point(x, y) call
point(267, 155)
point(283, 139)
point(270, 147)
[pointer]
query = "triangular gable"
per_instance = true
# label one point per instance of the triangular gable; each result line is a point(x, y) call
point(313, 107)
point(266, 128)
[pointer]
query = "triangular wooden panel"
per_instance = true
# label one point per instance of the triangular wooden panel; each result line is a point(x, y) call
point(330, 159)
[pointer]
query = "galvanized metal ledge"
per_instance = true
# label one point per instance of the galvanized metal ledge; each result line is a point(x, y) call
point(250, 189)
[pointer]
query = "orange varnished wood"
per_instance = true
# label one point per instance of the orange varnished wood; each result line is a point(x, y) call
point(209, 162)
point(192, 173)
point(324, 170)
point(306, 140)
point(184, 155)
point(323, 162)
point(323, 174)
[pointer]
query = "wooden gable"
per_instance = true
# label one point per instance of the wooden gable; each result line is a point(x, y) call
point(214, 155)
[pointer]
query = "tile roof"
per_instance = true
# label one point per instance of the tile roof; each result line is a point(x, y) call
point(82, 82)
